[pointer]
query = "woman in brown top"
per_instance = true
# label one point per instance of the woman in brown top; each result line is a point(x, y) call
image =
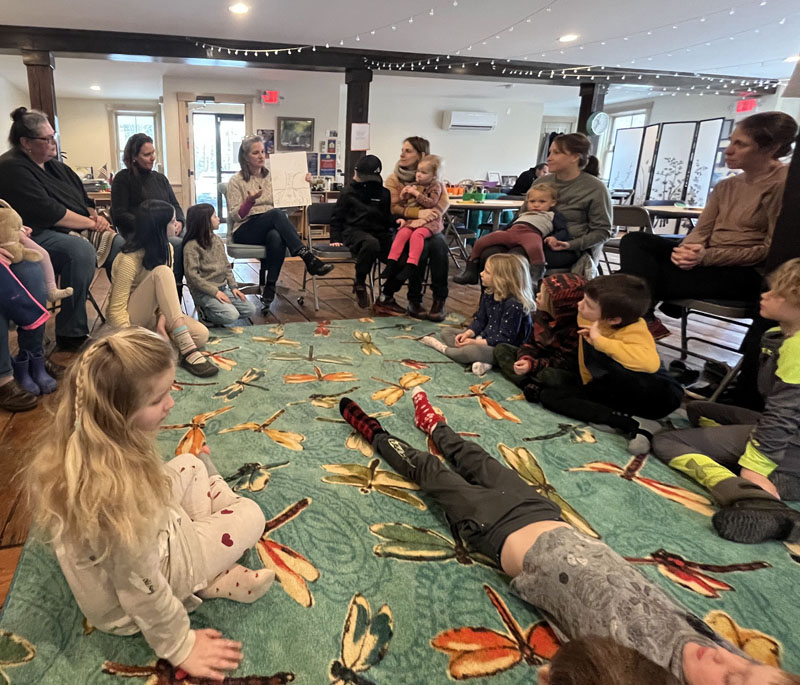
point(722, 256)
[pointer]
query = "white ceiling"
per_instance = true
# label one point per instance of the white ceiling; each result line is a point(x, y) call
point(751, 41)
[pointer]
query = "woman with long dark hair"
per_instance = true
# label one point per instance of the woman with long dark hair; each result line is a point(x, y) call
point(143, 287)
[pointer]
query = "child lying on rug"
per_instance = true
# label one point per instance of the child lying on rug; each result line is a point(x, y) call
point(620, 370)
point(630, 632)
point(139, 540)
point(504, 315)
point(764, 449)
point(554, 341)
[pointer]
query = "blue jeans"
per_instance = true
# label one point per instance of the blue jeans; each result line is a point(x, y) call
point(222, 313)
point(31, 276)
point(74, 260)
point(275, 232)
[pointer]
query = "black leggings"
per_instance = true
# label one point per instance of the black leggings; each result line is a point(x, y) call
point(274, 231)
point(484, 501)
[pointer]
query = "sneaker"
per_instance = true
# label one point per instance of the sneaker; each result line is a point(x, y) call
point(388, 305)
point(201, 369)
point(13, 398)
point(702, 390)
point(657, 329)
point(360, 290)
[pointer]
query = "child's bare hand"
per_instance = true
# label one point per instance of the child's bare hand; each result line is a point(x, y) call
point(222, 297)
point(416, 223)
point(590, 334)
point(212, 655)
point(522, 366)
point(401, 223)
point(464, 338)
point(550, 241)
point(6, 257)
point(557, 245)
point(238, 293)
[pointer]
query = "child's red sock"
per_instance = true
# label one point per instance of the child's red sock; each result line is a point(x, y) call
point(355, 416)
point(426, 418)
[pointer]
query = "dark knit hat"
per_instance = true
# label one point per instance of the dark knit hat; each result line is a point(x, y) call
point(369, 168)
point(561, 294)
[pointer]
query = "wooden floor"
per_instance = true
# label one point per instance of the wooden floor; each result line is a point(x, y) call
point(18, 431)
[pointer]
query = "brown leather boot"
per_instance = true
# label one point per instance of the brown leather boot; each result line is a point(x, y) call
point(416, 310)
point(437, 312)
point(14, 398)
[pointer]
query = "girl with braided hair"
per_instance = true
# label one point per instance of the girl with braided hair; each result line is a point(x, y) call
point(138, 563)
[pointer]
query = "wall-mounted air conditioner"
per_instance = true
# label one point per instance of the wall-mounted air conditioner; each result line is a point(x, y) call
point(469, 121)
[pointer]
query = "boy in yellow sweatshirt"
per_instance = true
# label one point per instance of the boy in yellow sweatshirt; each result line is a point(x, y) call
point(620, 370)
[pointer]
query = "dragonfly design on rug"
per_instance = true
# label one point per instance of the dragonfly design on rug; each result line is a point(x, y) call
point(370, 478)
point(288, 439)
point(411, 543)
point(293, 570)
point(493, 409)
point(164, 673)
point(225, 363)
point(368, 347)
point(525, 464)
point(236, 388)
point(417, 364)
point(180, 385)
point(324, 401)
point(689, 574)
point(356, 441)
point(277, 337)
point(762, 647)
point(252, 476)
point(630, 472)
point(337, 377)
point(578, 434)
point(365, 641)
point(323, 328)
point(195, 438)
point(310, 357)
point(481, 652)
point(14, 651)
point(391, 395)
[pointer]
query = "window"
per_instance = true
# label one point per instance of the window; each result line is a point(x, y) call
point(618, 121)
point(128, 122)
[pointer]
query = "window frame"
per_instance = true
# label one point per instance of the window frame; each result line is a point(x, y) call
point(117, 145)
point(605, 145)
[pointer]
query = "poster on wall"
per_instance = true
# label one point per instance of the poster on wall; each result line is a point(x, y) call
point(268, 134)
point(313, 163)
point(624, 162)
point(359, 137)
point(327, 165)
point(331, 146)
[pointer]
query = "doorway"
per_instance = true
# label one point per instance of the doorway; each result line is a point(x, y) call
point(216, 139)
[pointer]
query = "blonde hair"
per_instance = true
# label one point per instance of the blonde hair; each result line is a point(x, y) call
point(785, 281)
point(434, 162)
point(511, 277)
point(547, 188)
point(99, 480)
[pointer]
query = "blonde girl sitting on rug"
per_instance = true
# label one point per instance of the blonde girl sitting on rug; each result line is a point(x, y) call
point(504, 315)
point(141, 541)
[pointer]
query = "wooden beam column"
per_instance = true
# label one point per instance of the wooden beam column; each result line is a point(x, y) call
point(357, 81)
point(593, 97)
point(41, 87)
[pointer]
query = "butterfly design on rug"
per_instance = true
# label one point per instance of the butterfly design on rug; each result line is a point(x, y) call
point(236, 388)
point(293, 570)
point(492, 408)
point(482, 652)
point(391, 395)
point(164, 673)
point(252, 476)
point(630, 472)
point(689, 574)
point(370, 478)
point(527, 467)
point(412, 543)
point(365, 641)
point(288, 439)
point(195, 438)
point(338, 377)
point(762, 647)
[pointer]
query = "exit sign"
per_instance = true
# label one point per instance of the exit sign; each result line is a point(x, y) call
point(746, 105)
point(270, 97)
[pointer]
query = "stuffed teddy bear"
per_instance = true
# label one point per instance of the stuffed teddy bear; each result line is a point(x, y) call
point(10, 225)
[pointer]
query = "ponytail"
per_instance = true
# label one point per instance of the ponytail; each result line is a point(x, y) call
point(592, 166)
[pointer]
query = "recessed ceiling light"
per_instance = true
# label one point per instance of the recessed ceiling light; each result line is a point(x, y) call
point(94, 87)
point(792, 58)
point(568, 38)
point(238, 8)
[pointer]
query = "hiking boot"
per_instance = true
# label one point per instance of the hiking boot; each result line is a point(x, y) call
point(437, 312)
point(14, 398)
point(470, 274)
point(314, 265)
point(416, 310)
point(360, 289)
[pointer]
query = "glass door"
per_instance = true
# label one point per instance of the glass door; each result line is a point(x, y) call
point(216, 151)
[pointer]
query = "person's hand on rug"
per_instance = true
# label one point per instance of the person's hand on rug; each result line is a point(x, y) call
point(212, 655)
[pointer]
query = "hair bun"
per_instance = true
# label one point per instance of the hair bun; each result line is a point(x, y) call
point(18, 113)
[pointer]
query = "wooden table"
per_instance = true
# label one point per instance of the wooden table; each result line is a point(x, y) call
point(669, 212)
point(102, 198)
point(496, 207)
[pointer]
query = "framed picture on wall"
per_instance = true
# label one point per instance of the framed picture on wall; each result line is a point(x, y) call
point(295, 135)
point(268, 134)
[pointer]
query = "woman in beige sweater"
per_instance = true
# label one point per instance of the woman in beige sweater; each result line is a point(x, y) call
point(723, 254)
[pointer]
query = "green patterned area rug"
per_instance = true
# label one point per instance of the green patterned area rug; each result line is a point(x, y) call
point(373, 587)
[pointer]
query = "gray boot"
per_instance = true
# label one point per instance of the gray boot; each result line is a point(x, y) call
point(22, 374)
point(469, 276)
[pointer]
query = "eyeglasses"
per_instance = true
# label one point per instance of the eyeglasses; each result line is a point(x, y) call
point(46, 139)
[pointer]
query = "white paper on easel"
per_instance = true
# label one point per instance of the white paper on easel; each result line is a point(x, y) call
point(289, 186)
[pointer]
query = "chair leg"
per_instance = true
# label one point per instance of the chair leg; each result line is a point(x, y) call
point(684, 334)
point(314, 288)
point(91, 299)
point(262, 273)
point(726, 381)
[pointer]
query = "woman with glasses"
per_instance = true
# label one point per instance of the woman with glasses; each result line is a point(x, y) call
point(51, 200)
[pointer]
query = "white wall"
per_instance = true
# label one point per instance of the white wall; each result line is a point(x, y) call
point(11, 97)
point(84, 130)
point(510, 149)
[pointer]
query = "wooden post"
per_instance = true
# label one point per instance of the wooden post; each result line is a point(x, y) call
point(592, 99)
point(41, 87)
point(357, 81)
